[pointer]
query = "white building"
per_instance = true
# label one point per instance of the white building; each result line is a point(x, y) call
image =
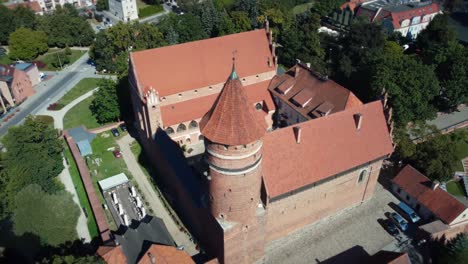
point(125, 10)
point(48, 5)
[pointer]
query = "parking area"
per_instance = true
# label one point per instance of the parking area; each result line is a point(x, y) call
point(125, 204)
point(357, 227)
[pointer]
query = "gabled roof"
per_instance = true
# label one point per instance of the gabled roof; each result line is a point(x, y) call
point(305, 92)
point(6, 72)
point(438, 201)
point(165, 255)
point(192, 65)
point(112, 254)
point(34, 6)
point(196, 108)
point(328, 146)
point(400, 13)
point(232, 120)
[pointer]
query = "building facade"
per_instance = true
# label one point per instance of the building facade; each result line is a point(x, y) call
point(407, 19)
point(125, 10)
point(49, 5)
point(256, 182)
point(15, 86)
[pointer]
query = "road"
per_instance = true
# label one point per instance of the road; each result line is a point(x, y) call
point(56, 87)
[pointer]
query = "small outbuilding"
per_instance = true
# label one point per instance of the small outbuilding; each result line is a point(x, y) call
point(113, 181)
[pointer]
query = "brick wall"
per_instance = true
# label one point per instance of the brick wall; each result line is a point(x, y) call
point(293, 212)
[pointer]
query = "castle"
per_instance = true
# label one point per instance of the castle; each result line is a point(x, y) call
point(280, 151)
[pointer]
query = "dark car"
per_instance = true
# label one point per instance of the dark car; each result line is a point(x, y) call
point(390, 227)
point(123, 127)
point(115, 132)
point(399, 221)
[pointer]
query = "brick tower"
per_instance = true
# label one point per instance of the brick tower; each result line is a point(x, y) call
point(233, 133)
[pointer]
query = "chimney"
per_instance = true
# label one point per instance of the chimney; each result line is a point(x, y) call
point(389, 115)
point(357, 120)
point(270, 37)
point(296, 71)
point(385, 99)
point(267, 24)
point(152, 258)
point(308, 65)
point(297, 133)
point(435, 184)
point(273, 49)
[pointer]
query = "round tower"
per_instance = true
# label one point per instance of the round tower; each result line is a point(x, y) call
point(233, 133)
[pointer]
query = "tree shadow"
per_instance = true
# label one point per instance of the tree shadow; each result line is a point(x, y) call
point(28, 248)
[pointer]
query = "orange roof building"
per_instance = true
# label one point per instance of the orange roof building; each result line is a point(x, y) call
point(259, 178)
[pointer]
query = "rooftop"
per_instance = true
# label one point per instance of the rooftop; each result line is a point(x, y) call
point(201, 63)
point(311, 95)
point(232, 120)
point(113, 181)
point(438, 201)
point(332, 145)
point(165, 255)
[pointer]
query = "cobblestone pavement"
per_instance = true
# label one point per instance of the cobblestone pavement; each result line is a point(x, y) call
point(318, 242)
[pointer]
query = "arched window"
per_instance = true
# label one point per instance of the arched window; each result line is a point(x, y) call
point(200, 137)
point(188, 141)
point(258, 106)
point(169, 130)
point(193, 124)
point(362, 175)
point(181, 128)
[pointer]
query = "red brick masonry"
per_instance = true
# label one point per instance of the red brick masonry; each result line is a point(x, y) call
point(103, 227)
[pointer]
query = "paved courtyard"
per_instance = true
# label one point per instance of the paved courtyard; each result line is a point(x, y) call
point(356, 227)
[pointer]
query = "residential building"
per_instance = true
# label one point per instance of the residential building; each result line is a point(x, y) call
point(445, 215)
point(15, 86)
point(31, 70)
point(49, 5)
point(253, 182)
point(34, 6)
point(125, 10)
point(408, 19)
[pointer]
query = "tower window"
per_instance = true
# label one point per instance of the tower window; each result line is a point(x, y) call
point(181, 128)
point(362, 175)
point(169, 130)
point(258, 106)
point(193, 124)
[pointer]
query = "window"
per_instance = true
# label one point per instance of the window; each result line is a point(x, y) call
point(169, 130)
point(398, 190)
point(362, 175)
point(181, 128)
point(193, 124)
point(407, 197)
point(418, 206)
point(258, 106)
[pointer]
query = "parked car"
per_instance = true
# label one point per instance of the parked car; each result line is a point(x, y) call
point(408, 213)
point(123, 127)
point(390, 227)
point(117, 153)
point(115, 132)
point(399, 221)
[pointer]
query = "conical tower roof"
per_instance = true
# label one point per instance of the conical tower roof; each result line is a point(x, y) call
point(232, 120)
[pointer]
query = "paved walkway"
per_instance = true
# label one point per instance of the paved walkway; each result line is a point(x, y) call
point(82, 225)
point(152, 197)
point(58, 115)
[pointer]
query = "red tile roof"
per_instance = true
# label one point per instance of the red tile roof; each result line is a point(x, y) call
point(183, 67)
point(34, 6)
point(330, 145)
point(165, 255)
point(232, 120)
point(438, 201)
point(196, 108)
point(398, 17)
point(112, 255)
point(305, 92)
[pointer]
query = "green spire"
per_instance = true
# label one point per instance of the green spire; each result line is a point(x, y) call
point(233, 75)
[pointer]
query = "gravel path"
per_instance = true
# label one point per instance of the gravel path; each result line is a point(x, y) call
point(318, 242)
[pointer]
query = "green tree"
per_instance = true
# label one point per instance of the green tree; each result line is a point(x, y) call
point(251, 8)
point(26, 44)
point(12, 19)
point(24, 17)
point(102, 5)
point(325, 7)
point(52, 217)
point(225, 25)
point(71, 259)
point(188, 27)
point(6, 20)
point(241, 21)
point(452, 251)
point(105, 106)
point(60, 59)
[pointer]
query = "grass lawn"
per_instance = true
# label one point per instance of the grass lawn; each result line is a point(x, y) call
point(455, 188)
point(461, 150)
point(79, 115)
point(5, 60)
point(146, 10)
point(48, 57)
point(299, 9)
point(84, 86)
point(83, 198)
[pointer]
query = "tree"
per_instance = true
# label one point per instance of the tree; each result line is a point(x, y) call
point(225, 25)
point(105, 106)
point(102, 5)
point(71, 259)
point(6, 20)
point(26, 44)
point(251, 8)
point(60, 59)
point(188, 27)
point(241, 21)
point(325, 7)
point(452, 251)
point(52, 217)
point(24, 17)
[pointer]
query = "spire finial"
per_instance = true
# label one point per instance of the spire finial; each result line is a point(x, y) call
point(233, 75)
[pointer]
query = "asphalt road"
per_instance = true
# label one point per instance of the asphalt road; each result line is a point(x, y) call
point(60, 83)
